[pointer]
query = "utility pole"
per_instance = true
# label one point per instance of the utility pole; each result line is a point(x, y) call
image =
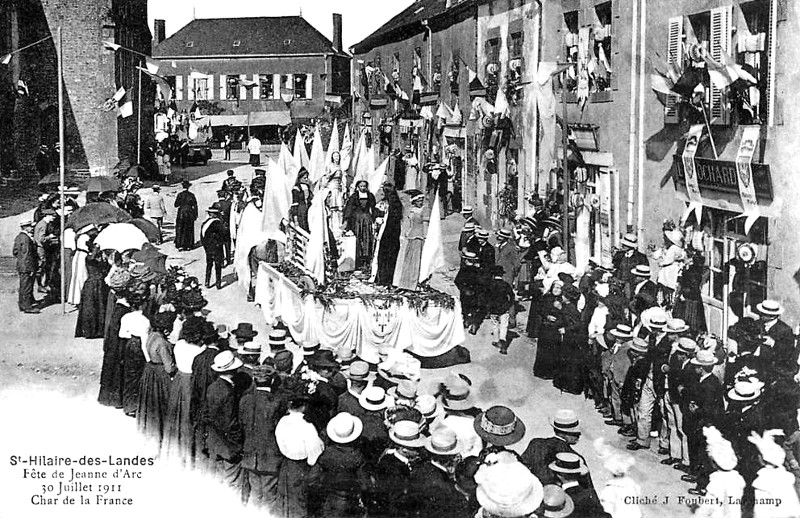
point(565, 235)
point(61, 161)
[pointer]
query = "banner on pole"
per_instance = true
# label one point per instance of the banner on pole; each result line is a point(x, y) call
point(744, 170)
point(692, 185)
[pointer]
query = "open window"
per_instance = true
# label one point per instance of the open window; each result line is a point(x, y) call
point(752, 52)
point(570, 29)
point(600, 51)
point(233, 86)
point(301, 90)
point(266, 83)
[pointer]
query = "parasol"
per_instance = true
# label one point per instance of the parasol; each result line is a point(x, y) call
point(152, 257)
point(102, 184)
point(97, 213)
point(55, 179)
point(120, 237)
point(149, 229)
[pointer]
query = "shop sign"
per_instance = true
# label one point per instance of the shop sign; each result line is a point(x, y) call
point(744, 168)
point(690, 175)
point(723, 176)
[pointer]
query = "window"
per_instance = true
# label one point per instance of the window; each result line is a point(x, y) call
point(396, 62)
point(189, 44)
point(232, 91)
point(200, 88)
point(237, 43)
point(515, 45)
point(600, 49)
point(752, 52)
point(493, 50)
point(748, 281)
point(300, 87)
point(266, 84)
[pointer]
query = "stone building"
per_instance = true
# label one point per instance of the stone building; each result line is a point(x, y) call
point(259, 74)
point(95, 140)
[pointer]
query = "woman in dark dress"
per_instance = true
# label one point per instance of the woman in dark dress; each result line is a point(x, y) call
point(301, 200)
point(186, 204)
point(549, 336)
point(111, 374)
point(574, 351)
point(389, 245)
point(688, 299)
point(94, 297)
point(155, 384)
point(359, 218)
point(135, 327)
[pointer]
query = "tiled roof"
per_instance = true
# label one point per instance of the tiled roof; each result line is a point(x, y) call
point(286, 35)
point(405, 24)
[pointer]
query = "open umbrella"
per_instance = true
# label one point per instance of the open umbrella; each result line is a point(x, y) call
point(120, 237)
point(152, 257)
point(149, 229)
point(55, 179)
point(102, 184)
point(97, 213)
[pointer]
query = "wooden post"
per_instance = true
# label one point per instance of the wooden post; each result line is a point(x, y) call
point(61, 167)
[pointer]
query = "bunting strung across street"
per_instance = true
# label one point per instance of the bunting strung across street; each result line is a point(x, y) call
point(744, 170)
point(692, 185)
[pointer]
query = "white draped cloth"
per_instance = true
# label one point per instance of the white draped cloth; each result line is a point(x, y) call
point(349, 322)
point(248, 235)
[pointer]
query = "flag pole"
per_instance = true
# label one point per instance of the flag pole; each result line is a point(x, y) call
point(708, 127)
point(565, 171)
point(139, 121)
point(61, 167)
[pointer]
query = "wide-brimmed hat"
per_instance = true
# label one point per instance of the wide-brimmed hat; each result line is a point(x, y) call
point(508, 489)
point(407, 433)
point(639, 345)
point(641, 270)
point(499, 425)
point(704, 357)
point(675, 236)
point(503, 233)
point(566, 421)
point(119, 279)
point(406, 389)
point(457, 394)
point(570, 463)
point(744, 391)
point(769, 308)
point(358, 371)
point(428, 406)
point(214, 208)
point(344, 428)
point(277, 340)
point(686, 345)
point(244, 331)
point(556, 503)
point(629, 240)
point(374, 398)
point(323, 359)
point(225, 362)
point(675, 326)
point(249, 348)
point(444, 441)
point(622, 331)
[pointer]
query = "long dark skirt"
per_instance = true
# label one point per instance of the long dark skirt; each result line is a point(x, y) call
point(92, 309)
point(133, 366)
point(112, 378)
point(547, 354)
point(570, 369)
point(365, 239)
point(178, 433)
point(387, 256)
point(184, 232)
point(293, 480)
point(111, 303)
point(153, 401)
point(691, 311)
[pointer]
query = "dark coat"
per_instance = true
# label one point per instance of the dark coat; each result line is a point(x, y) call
point(540, 453)
point(221, 419)
point(437, 492)
point(225, 212)
point(634, 381)
point(659, 355)
point(259, 412)
point(214, 237)
point(343, 477)
point(25, 252)
point(391, 493)
point(349, 403)
point(470, 282)
point(678, 376)
point(587, 503)
point(646, 298)
point(486, 258)
point(508, 258)
point(499, 297)
point(781, 358)
point(709, 396)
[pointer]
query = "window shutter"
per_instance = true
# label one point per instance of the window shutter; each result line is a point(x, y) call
point(276, 86)
point(720, 43)
point(223, 87)
point(771, 49)
point(257, 88)
point(674, 55)
point(178, 88)
point(242, 89)
point(309, 92)
point(210, 87)
point(191, 83)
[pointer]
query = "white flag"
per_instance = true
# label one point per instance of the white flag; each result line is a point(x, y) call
point(275, 206)
point(433, 248)
point(347, 149)
point(125, 110)
point(290, 167)
point(300, 153)
point(333, 145)
point(376, 178)
point(317, 158)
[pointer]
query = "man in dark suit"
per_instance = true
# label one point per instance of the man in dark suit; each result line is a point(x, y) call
point(27, 265)
point(675, 401)
point(777, 353)
point(508, 258)
point(644, 291)
point(541, 452)
point(213, 236)
point(627, 259)
point(202, 378)
point(471, 285)
point(224, 202)
point(706, 405)
point(221, 419)
point(467, 235)
point(572, 473)
point(229, 183)
point(485, 251)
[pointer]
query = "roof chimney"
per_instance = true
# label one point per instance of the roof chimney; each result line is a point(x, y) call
point(337, 32)
point(160, 29)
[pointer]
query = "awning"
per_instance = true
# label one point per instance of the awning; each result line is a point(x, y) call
point(271, 118)
point(598, 158)
point(228, 120)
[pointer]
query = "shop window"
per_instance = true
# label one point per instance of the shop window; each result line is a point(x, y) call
point(300, 89)
point(751, 105)
point(200, 88)
point(232, 90)
point(266, 83)
point(749, 280)
point(600, 49)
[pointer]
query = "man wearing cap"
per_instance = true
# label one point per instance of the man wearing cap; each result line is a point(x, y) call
point(229, 182)
point(777, 352)
point(155, 209)
point(678, 378)
point(259, 411)
point(391, 493)
point(27, 266)
point(213, 236)
point(500, 300)
point(485, 251)
point(357, 380)
point(221, 420)
point(614, 365)
point(508, 258)
point(432, 481)
point(471, 285)
point(186, 203)
point(467, 238)
point(640, 365)
point(626, 259)
point(468, 213)
point(343, 468)
point(572, 473)
point(224, 203)
point(746, 414)
point(542, 451)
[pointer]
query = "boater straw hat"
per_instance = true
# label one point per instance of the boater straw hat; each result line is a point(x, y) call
point(629, 240)
point(556, 503)
point(769, 308)
point(359, 371)
point(277, 340)
point(744, 391)
point(444, 441)
point(704, 357)
point(566, 421)
point(639, 345)
point(374, 398)
point(508, 490)
point(225, 362)
point(569, 463)
point(457, 394)
point(249, 348)
point(622, 331)
point(344, 428)
point(676, 325)
point(641, 270)
point(406, 389)
point(428, 407)
point(499, 426)
point(407, 433)
point(686, 345)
